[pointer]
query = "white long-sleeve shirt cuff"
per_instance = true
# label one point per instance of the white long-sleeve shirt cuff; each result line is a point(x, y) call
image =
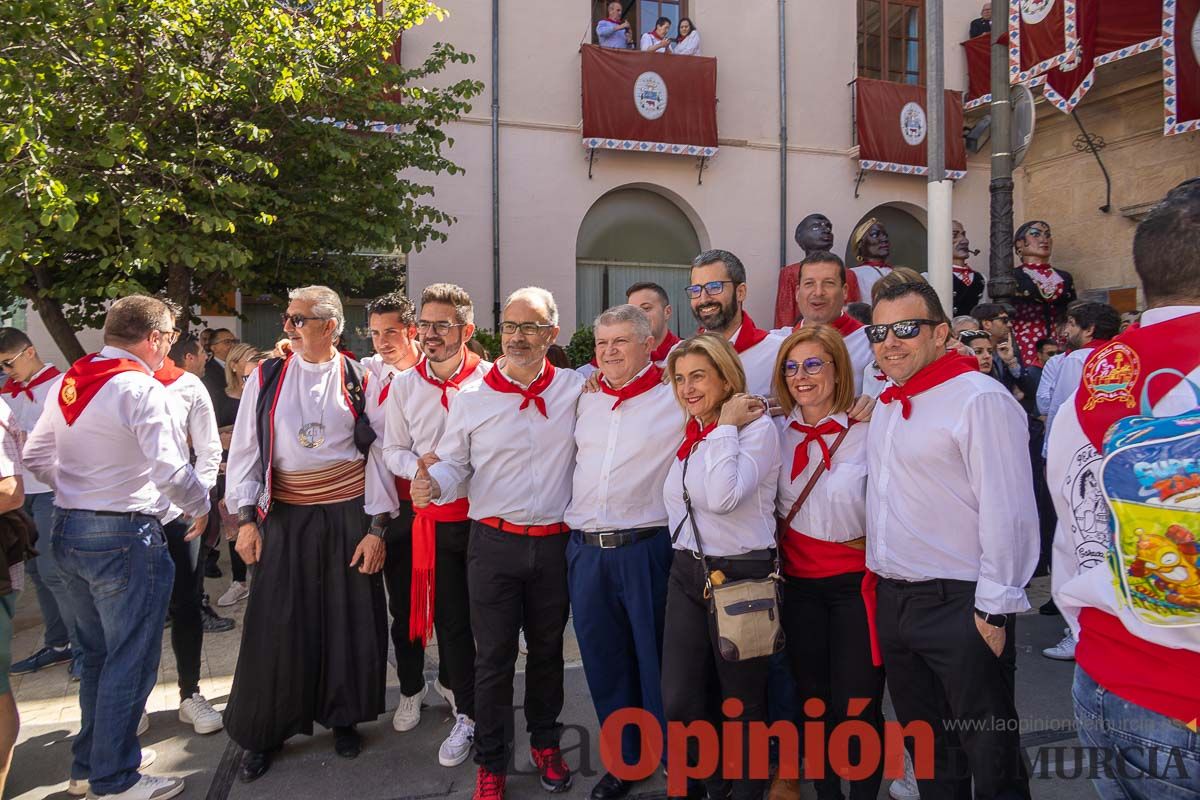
point(185, 490)
point(447, 481)
point(996, 598)
point(244, 494)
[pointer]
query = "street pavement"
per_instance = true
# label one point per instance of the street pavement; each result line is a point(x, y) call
point(395, 766)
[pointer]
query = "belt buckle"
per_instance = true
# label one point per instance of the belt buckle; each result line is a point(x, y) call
point(603, 539)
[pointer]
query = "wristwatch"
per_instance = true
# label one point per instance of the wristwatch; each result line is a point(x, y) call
point(995, 620)
point(247, 515)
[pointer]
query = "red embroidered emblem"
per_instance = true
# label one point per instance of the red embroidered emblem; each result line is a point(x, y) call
point(1110, 375)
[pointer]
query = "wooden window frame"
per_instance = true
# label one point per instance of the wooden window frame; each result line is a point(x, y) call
point(885, 9)
point(599, 7)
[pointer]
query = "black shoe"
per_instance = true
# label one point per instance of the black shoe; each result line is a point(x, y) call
point(254, 765)
point(1049, 609)
point(610, 787)
point(213, 623)
point(346, 741)
point(212, 570)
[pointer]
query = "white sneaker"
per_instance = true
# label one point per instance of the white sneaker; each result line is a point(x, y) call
point(236, 593)
point(905, 788)
point(148, 787)
point(78, 787)
point(199, 713)
point(457, 746)
point(143, 724)
point(1064, 650)
point(408, 713)
point(446, 695)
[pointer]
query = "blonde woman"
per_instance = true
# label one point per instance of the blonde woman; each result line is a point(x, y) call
point(729, 463)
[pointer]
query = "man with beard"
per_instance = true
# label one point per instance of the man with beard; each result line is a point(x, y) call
point(417, 405)
point(717, 296)
point(813, 234)
point(872, 246)
point(513, 437)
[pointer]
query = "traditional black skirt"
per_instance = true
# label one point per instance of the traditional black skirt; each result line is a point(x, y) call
point(314, 637)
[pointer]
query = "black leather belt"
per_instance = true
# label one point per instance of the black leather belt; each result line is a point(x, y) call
point(607, 540)
point(767, 554)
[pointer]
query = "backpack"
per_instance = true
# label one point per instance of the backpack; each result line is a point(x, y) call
point(1150, 479)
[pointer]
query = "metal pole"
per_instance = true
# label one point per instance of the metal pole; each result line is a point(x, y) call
point(1001, 284)
point(496, 165)
point(783, 136)
point(939, 190)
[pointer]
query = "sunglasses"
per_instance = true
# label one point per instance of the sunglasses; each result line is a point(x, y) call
point(904, 329)
point(811, 366)
point(297, 320)
point(8, 362)
point(965, 335)
point(712, 289)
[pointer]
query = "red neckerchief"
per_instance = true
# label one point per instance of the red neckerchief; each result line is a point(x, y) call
point(664, 348)
point(846, 324)
point(498, 382)
point(964, 273)
point(387, 385)
point(693, 435)
point(748, 335)
point(645, 382)
point(933, 374)
point(654, 33)
point(168, 373)
point(14, 387)
point(1114, 375)
point(86, 377)
point(813, 433)
point(465, 368)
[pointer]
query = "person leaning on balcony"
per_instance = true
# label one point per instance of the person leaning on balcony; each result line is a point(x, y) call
point(729, 463)
point(611, 30)
point(688, 41)
point(656, 40)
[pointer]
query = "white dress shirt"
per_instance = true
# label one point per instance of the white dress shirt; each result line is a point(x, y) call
point(836, 510)
point(873, 379)
point(25, 416)
point(1048, 380)
point(690, 46)
point(867, 275)
point(382, 376)
point(758, 362)
point(311, 392)
point(121, 454)
point(732, 479)
point(1066, 381)
point(519, 463)
point(416, 419)
point(195, 423)
point(623, 458)
point(950, 491)
point(649, 40)
point(1079, 577)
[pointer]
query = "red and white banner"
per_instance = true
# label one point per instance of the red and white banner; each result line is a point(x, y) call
point(1042, 34)
point(649, 102)
point(1181, 66)
point(892, 127)
point(979, 70)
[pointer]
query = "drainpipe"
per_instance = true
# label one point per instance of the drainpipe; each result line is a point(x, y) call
point(496, 165)
point(783, 138)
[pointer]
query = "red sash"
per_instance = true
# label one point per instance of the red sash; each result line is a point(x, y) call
point(648, 380)
point(168, 373)
point(466, 366)
point(498, 382)
point(692, 436)
point(1115, 373)
point(424, 549)
point(13, 387)
point(933, 374)
point(664, 348)
point(86, 377)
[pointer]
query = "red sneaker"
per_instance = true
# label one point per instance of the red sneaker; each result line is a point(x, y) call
point(489, 785)
point(555, 774)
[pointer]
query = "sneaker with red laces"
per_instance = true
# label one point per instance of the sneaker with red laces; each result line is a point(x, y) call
point(489, 785)
point(555, 774)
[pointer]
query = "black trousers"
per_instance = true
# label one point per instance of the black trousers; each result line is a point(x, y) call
point(187, 625)
point(397, 576)
point(452, 614)
point(829, 645)
point(516, 581)
point(696, 680)
point(939, 668)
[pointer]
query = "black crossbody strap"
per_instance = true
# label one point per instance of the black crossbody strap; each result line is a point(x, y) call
point(812, 482)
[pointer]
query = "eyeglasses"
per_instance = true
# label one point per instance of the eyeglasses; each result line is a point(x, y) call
point(965, 335)
point(8, 363)
point(297, 320)
point(440, 328)
point(712, 289)
point(904, 329)
point(526, 328)
point(811, 366)
point(230, 340)
point(171, 335)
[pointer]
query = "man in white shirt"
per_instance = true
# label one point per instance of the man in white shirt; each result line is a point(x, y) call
point(313, 500)
point(513, 437)
point(29, 382)
point(948, 438)
point(417, 408)
point(655, 39)
point(1089, 326)
point(106, 444)
point(717, 296)
point(654, 301)
point(619, 555)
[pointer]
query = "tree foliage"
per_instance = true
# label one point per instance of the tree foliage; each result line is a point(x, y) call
point(194, 146)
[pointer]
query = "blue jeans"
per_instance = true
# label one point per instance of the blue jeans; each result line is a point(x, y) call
point(1148, 755)
point(119, 577)
point(47, 579)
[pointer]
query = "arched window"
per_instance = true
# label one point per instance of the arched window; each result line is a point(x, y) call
point(891, 36)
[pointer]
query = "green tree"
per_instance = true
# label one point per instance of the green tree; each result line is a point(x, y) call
point(194, 146)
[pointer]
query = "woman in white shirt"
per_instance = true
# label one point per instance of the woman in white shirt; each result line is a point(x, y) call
point(688, 43)
point(828, 595)
point(729, 461)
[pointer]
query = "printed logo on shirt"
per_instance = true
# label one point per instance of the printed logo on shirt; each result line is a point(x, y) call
point(912, 123)
point(1034, 11)
point(1089, 511)
point(1110, 375)
point(68, 394)
point(650, 95)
